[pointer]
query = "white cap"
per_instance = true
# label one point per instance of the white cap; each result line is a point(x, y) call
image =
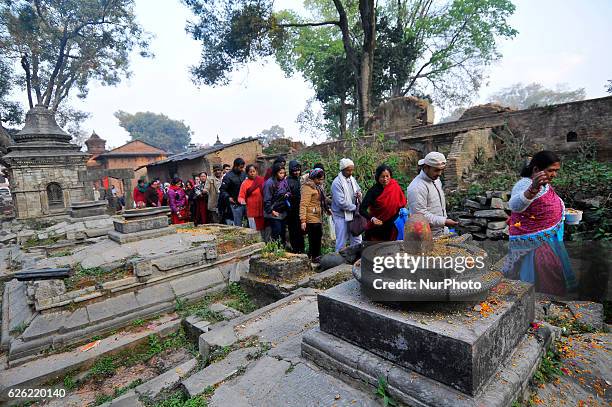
point(434, 159)
point(346, 162)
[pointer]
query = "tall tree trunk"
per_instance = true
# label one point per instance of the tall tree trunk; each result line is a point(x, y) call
point(343, 115)
point(367, 10)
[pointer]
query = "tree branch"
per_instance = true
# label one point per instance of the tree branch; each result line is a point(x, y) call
point(435, 54)
point(25, 64)
point(346, 35)
point(308, 24)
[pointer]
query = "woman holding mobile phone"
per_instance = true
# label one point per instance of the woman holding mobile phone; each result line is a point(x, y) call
point(537, 254)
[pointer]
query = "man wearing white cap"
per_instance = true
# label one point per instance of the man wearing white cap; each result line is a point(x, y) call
point(345, 192)
point(426, 196)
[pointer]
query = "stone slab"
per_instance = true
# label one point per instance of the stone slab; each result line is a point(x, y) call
point(129, 399)
point(145, 212)
point(491, 214)
point(280, 269)
point(217, 372)
point(588, 313)
point(274, 323)
point(273, 382)
point(436, 340)
point(140, 224)
point(225, 311)
point(197, 282)
point(122, 238)
point(78, 213)
point(45, 324)
point(362, 368)
point(155, 294)
point(42, 370)
point(587, 361)
point(195, 326)
point(167, 380)
point(112, 307)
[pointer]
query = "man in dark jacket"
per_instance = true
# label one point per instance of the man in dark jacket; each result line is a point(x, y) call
point(151, 195)
point(228, 194)
point(296, 238)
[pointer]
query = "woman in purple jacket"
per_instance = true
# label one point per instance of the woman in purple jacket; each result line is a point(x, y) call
point(177, 200)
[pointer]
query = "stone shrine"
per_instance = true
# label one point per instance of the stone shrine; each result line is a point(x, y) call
point(431, 353)
point(43, 168)
point(138, 224)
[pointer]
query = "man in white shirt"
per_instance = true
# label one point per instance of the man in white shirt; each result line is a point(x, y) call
point(345, 193)
point(426, 196)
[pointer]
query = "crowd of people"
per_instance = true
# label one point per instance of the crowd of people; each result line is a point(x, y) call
point(289, 201)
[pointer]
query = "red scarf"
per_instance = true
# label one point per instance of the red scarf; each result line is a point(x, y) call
point(389, 202)
point(257, 183)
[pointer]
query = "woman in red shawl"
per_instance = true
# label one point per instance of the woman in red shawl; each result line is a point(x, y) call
point(381, 206)
point(251, 195)
point(200, 201)
point(139, 193)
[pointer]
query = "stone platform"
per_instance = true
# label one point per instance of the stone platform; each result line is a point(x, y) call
point(436, 340)
point(87, 209)
point(138, 224)
point(363, 369)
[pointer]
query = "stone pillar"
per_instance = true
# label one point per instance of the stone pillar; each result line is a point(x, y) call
point(127, 187)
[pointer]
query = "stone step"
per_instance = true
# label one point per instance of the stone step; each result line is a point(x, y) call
point(225, 311)
point(273, 382)
point(217, 372)
point(42, 370)
point(167, 380)
point(129, 399)
point(195, 326)
point(276, 290)
point(274, 323)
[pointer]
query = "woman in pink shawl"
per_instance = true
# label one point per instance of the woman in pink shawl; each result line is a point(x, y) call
point(536, 251)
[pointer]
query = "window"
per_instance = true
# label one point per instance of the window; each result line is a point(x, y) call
point(55, 196)
point(571, 137)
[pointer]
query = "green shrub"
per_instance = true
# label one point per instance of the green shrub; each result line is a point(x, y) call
point(273, 250)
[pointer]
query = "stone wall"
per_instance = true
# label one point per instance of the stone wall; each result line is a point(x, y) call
point(188, 169)
point(399, 115)
point(464, 150)
point(548, 126)
point(485, 216)
point(562, 128)
point(247, 151)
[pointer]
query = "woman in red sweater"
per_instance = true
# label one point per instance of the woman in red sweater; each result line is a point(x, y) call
point(251, 195)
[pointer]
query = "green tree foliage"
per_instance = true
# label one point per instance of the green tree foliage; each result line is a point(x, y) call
point(318, 54)
point(157, 129)
point(521, 96)
point(236, 32)
point(65, 44)
point(357, 53)
point(10, 111)
point(71, 120)
point(439, 48)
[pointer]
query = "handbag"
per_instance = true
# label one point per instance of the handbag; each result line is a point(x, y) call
point(358, 225)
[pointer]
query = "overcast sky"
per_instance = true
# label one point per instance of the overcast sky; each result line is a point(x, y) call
point(559, 41)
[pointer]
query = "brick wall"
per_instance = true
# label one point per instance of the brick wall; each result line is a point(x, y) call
point(464, 150)
point(188, 169)
point(547, 126)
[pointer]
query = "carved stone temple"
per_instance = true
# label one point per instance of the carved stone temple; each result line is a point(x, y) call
point(43, 168)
